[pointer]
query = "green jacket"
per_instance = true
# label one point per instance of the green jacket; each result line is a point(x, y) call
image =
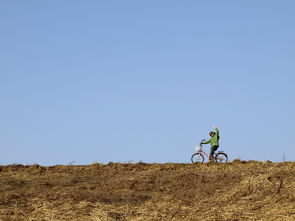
point(214, 140)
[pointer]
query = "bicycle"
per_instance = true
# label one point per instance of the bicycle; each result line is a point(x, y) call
point(219, 157)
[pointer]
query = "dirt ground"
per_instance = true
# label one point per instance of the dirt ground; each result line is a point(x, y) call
point(234, 191)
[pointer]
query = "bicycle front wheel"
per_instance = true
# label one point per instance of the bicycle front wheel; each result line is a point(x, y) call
point(221, 158)
point(197, 158)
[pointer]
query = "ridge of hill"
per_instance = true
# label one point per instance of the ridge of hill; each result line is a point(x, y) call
point(241, 190)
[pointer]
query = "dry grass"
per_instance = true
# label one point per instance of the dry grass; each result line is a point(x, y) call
point(234, 191)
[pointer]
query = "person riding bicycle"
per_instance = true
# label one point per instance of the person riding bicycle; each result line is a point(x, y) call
point(214, 141)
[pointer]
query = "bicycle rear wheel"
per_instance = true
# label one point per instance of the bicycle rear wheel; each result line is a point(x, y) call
point(221, 158)
point(197, 158)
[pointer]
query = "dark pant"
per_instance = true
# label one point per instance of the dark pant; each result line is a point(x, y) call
point(213, 149)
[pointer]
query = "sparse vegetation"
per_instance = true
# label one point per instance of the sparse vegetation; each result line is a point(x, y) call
point(234, 191)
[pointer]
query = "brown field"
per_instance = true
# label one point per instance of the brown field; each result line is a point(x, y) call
point(234, 191)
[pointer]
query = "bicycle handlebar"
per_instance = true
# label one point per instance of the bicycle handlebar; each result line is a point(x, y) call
point(202, 142)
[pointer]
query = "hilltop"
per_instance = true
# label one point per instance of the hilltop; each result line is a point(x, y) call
point(234, 191)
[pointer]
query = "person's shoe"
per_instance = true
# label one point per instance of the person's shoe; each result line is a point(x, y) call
point(211, 159)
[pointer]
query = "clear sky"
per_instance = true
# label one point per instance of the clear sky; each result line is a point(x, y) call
point(100, 81)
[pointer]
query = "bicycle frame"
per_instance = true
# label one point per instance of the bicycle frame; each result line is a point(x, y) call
point(207, 155)
point(201, 151)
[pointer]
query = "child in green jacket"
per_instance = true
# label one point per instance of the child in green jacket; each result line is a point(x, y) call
point(214, 141)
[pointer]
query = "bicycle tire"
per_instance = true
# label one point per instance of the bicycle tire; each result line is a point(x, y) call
point(221, 158)
point(197, 158)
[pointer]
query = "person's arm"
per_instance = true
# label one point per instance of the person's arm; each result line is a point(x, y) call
point(206, 142)
point(216, 130)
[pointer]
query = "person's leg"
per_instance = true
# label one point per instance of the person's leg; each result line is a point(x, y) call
point(216, 147)
point(213, 149)
point(212, 152)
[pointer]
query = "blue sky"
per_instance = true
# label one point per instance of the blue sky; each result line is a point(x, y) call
point(100, 81)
